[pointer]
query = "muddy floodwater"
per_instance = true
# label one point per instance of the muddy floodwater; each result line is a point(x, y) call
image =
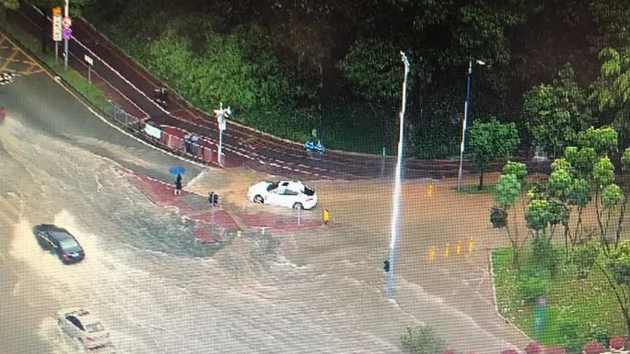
point(157, 290)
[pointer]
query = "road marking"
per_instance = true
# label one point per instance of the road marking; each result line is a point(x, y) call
point(9, 59)
point(105, 120)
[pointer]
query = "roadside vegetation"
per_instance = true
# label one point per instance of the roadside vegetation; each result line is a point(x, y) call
point(565, 280)
point(287, 66)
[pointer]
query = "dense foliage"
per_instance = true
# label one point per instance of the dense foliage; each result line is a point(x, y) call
point(287, 66)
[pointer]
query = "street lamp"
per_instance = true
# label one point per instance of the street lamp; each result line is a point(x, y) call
point(466, 106)
point(221, 114)
point(396, 199)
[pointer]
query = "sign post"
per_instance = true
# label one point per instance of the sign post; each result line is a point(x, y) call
point(67, 32)
point(90, 62)
point(57, 30)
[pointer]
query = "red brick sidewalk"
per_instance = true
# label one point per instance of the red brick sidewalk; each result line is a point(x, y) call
point(207, 220)
point(162, 194)
point(280, 223)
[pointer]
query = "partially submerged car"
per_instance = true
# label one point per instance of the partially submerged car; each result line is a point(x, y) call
point(291, 194)
point(84, 327)
point(59, 241)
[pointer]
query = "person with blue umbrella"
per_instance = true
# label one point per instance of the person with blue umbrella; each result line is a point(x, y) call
point(178, 171)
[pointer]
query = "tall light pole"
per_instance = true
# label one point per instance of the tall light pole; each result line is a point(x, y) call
point(65, 48)
point(396, 201)
point(466, 106)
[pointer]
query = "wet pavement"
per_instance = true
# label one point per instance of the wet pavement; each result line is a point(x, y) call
point(159, 290)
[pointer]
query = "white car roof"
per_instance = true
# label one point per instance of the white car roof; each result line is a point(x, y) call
point(85, 316)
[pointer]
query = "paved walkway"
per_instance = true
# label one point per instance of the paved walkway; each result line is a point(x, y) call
point(212, 225)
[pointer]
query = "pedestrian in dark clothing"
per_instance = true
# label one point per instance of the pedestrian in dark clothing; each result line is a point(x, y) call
point(178, 184)
point(386, 265)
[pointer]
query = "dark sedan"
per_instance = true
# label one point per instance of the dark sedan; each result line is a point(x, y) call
point(60, 241)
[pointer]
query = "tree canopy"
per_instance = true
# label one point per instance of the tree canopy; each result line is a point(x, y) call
point(336, 63)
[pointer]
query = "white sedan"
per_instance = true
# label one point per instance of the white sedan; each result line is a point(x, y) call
point(84, 327)
point(292, 194)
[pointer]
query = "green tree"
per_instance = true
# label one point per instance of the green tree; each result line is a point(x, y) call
point(492, 140)
point(616, 268)
point(581, 195)
point(561, 189)
point(582, 160)
point(556, 113)
point(612, 89)
point(372, 67)
point(540, 218)
point(603, 140)
point(422, 340)
point(584, 258)
point(508, 190)
point(625, 188)
point(517, 169)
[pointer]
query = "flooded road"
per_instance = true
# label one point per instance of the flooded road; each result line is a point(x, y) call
point(154, 287)
point(157, 290)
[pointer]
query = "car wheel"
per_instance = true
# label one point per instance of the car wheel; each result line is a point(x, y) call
point(298, 206)
point(259, 199)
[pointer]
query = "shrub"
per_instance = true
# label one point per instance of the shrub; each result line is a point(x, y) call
point(571, 337)
point(546, 254)
point(422, 340)
point(584, 257)
point(617, 343)
point(532, 283)
point(533, 348)
point(601, 336)
point(593, 348)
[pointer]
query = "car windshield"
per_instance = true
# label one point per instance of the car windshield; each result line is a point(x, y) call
point(94, 327)
point(67, 243)
point(308, 191)
point(272, 186)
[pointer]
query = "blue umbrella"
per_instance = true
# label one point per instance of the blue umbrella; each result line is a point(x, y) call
point(179, 170)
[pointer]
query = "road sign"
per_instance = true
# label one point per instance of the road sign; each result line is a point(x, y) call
point(67, 33)
point(88, 60)
point(223, 125)
point(56, 23)
point(67, 22)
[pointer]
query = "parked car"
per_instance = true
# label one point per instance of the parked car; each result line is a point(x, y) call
point(84, 327)
point(292, 194)
point(59, 241)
